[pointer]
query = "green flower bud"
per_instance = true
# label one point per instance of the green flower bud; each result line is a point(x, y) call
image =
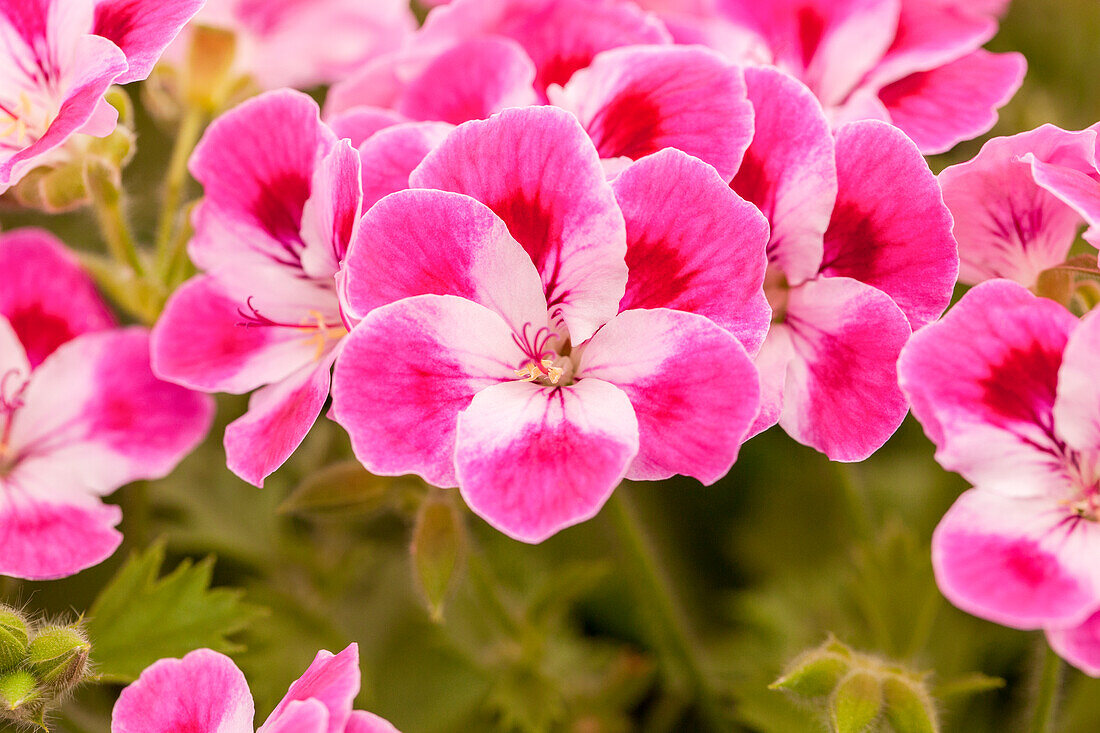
point(816, 675)
point(18, 692)
point(59, 657)
point(856, 703)
point(438, 542)
point(909, 708)
point(13, 639)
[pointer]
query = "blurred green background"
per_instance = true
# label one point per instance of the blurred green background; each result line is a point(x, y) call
point(766, 563)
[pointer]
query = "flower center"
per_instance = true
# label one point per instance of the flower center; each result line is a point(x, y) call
point(552, 372)
point(319, 329)
point(1085, 499)
point(778, 292)
point(17, 126)
point(549, 360)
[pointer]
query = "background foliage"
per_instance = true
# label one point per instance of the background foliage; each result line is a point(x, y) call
point(566, 635)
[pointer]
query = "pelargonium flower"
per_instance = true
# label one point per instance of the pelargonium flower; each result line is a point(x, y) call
point(57, 60)
point(532, 335)
point(78, 418)
point(1006, 388)
point(303, 43)
point(473, 58)
point(1020, 203)
point(283, 200)
point(46, 296)
point(861, 255)
point(915, 63)
point(206, 693)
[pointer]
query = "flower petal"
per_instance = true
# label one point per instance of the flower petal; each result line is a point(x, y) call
point(694, 245)
point(533, 460)
point(982, 383)
point(204, 692)
point(693, 388)
point(789, 171)
point(537, 170)
point(425, 242)
point(330, 217)
point(638, 100)
point(203, 341)
point(405, 374)
point(841, 395)
point(1006, 224)
point(332, 679)
point(890, 227)
point(560, 36)
point(256, 165)
point(358, 123)
point(1022, 563)
point(300, 716)
point(142, 29)
point(47, 296)
point(363, 722)
point(391, 155)
point(471, 81)
point(1079, 645)
point(958, 101)
point(1077, 406)
point(279, 417)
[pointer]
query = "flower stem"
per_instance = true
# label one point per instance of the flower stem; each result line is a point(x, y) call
point(1045, 707)
point(107, 197)
point(667, 628)
point(174, 183)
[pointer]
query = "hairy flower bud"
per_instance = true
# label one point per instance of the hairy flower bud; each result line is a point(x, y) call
point(58, 657)
point(18, 692)
point(13, 639)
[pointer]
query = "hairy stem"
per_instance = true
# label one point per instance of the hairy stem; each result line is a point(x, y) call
point(107, 199)
point(174, 184)
point(667, 627)
point(1044, 713)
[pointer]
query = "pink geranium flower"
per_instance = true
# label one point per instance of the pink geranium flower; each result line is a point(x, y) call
point(283, 200)
point(57, 59)
point(861, 255)
point(81, 413)
point(916, 63)
point(206, 693)
point(1020, 203)
point(303, 43)
point(533, 335)
point(1006, 388)
point(476, 57)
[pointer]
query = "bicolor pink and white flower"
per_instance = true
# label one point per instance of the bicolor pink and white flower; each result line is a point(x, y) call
point(1021, 202)
point(533, 335)
point(58, 58)
point(81, 413)
point(918, 64)
point(473, 58)
point(304, 43)
point(205, 692)
point(861, 255)
point(282, 202)
point(1006, 388)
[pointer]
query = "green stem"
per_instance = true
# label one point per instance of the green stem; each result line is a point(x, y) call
point(107, 200)
point(667, 626)
point(1045, 707)
point(851, 483)
point(174, 183)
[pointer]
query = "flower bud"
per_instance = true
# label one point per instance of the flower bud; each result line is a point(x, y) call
point(18, 692)
point(438, 541)
point(909, 708)
point(856, 703)
point(58, 657)
point(13, 639)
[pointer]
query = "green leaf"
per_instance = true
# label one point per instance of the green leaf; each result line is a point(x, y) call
point(347, 489)
point(140, 617)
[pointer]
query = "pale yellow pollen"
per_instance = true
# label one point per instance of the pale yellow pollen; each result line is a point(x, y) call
point(18, 125)
point(321, 332)
point(533, 372)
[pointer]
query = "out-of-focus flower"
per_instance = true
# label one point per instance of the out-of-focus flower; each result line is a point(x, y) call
point(303, 43)
point(476, 57)
point(915, 63)
point(1020, 203)
point(206, 693)
point(85, 417)
point(46, 295)
point(57, 60)
point(283, 200)
point(861, 255)
point(521, 343)
point(1006, 388)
